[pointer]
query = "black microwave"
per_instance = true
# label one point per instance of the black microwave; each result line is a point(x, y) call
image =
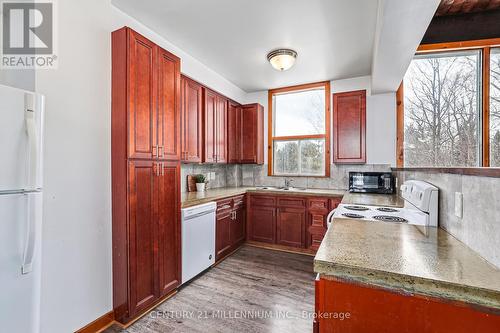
point(371, 182)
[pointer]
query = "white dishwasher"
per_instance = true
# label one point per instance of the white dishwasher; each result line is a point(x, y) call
point(198, 239)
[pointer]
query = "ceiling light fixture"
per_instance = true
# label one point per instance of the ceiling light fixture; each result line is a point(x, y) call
point(282, 59)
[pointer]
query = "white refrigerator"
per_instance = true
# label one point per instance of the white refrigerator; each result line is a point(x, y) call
point(21, 174)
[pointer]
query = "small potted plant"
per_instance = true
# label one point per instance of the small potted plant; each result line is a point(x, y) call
point(201, 181)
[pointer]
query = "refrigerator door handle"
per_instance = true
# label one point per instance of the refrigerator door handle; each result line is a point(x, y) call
point(33, 145)
point(29, 247)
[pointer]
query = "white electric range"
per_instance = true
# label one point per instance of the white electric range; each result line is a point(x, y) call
point(420, 207)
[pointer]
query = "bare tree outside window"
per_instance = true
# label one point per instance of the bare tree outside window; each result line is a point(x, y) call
point(442, 107)
point(495, 108)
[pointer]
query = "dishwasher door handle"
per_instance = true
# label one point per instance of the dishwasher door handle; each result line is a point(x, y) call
point(190, 217)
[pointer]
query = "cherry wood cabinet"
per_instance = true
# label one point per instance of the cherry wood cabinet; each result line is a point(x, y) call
point(142, 76)
point(215, 118)
point(290, 225)
point(252, 134)
point(349, 127)
point(192, 121)
point(221, 130)
point(145, 160)
point(261, 218)
point(245, 133)
point(317, 211)
point(376, 309)
point(234, 132)
point(230, 225)
point(169, 231)
point(288, 220)
point(238, 229)
point(210, 118)
point(143, 211)
point(169, 105)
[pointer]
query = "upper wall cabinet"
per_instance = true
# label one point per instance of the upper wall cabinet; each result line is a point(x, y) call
point(215, 119)
point(169, 105)
point(192, 121)
point(234, 132)
point(349, 127)
point(246, 133)
point(151, 96)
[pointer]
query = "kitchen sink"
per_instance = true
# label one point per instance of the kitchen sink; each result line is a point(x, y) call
point(271, 188)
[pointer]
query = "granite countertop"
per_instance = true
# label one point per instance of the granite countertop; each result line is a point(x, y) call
point(189, 199)
point(407, 258)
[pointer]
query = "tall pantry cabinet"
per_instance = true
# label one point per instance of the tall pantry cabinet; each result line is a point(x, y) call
point(146, 156)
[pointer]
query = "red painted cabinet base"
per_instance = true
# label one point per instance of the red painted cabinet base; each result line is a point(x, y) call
point(370, 309)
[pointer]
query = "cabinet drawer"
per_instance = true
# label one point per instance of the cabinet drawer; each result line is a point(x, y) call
point(291, 202)
point(238, 201)
point(320, 204)
point(261, 200)
point(224, 204)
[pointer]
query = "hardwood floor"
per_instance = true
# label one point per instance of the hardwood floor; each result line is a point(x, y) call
point(276, 288)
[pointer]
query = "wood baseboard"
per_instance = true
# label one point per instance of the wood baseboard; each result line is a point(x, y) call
point(281, 248)
point(99, 325)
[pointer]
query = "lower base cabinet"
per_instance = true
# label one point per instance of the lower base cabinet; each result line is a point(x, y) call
point(146, 238)
point(288, 220)
point(291, 224)
point(230, 228)
point(380, 310)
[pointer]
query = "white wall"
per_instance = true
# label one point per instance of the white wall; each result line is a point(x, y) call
point(77, 272)
point(380, 119)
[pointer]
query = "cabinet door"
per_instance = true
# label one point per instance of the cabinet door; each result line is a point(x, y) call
point(169, 107)
point(234, 133)
point(291, 223)
point(349, 127)
point(210, 126)
point(318, 209)
point(223, 233)
point(249, 133)
point(192, 121)
point(262, 222)
point(221, 130)
point(238, 227)
point(143, 236)
point(169, 231)
point(142, 80)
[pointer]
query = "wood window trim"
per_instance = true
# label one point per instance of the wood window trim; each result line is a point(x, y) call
point(485, 45)
point(326, 136)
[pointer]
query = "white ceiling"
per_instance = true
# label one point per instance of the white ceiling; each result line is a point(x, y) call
point(335, 39)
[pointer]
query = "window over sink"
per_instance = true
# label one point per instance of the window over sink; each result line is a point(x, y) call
point(299, 135)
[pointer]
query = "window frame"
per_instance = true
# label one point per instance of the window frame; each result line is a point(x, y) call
point(271, 138)
point(485, 46)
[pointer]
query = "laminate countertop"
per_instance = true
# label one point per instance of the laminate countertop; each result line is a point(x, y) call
point(407, 258)
point(189, 199)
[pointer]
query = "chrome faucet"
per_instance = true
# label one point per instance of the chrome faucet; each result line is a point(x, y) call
point(288, 183)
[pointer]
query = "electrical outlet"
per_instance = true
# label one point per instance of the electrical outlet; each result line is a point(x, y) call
point(459, 204)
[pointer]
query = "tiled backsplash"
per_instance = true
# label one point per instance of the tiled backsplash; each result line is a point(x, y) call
point(256, 175)
point(226, 175)
point(479, 227)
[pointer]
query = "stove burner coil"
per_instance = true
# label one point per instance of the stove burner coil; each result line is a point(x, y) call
point(387, 218)
point(358, 208)
point(387, 210)
point(353, 216)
